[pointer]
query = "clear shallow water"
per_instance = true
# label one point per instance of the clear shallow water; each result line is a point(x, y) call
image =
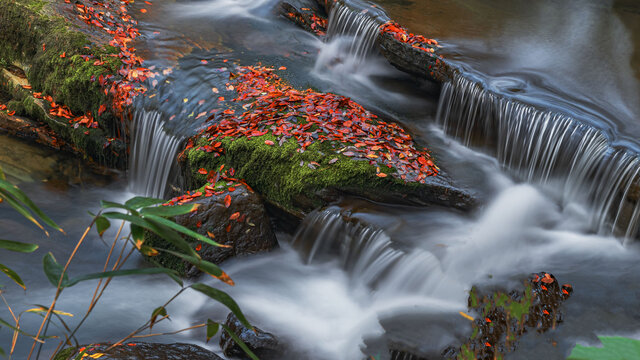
point(324, 309)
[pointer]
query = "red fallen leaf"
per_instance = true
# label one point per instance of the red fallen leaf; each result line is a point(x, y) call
point(3, 107)
point(234, 216)
point(227, 201)
point(221, 98)
point(268, 142)
point(28, 87)
point(543, 287)
point(143, 10)
point(381, 175)
point(545, 312)
point(228, 227)
point(232, 189)
point(213, 236)
point(11, 113)
point(102, 109)
point(547, 279)
point(199, 224)
point(44, 47)
point(282, 68)
point(64, 54)
point(487, 320)
point(148, 2)
point(565, 292)
point(198, 247)
point(203, 171)
point(487, 344)
point(348, 153)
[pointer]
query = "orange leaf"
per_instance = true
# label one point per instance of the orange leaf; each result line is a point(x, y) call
point(381, 175)
point(11, 113)
point(203, 171)
point(234, 216)
point(198, 247)
point(64, 54)
point(143, 10)
point(282, 68)
point(268, 142)
point(227, 201)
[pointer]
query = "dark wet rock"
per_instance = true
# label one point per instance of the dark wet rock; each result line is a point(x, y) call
point(502, 318)
point(312, 18)
point(143, 351)
point(263, 344)
point(249, 233)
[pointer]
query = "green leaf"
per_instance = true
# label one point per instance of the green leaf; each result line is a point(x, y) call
point(1, 349)
point(102, 224)
point(159, 311)
point(223, 298)
point(137, 233)
point(4, 323)
point(20, 209)
point(614, 348)
point(110, 205)
point(18, 246)
point(19, 195)
point(108, 274)
point(140, 202)
point(13, 276)
point(212, 329)
point(240, 343)
point(204, 265)
point(182, 229)
point(159, 229)
point(53, 270)
point(166, 211)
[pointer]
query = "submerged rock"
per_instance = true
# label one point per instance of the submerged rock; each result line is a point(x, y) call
point(263, 344)
point(141, 351)
point(231, 215)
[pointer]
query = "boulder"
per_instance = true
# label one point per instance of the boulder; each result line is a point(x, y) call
point(263, 344)
point(244, 226)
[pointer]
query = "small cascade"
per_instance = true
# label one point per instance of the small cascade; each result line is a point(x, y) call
point(366, 253)
point(543, 147)
point(152, 155)
point(351, 35)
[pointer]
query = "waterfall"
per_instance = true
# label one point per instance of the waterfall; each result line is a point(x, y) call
point(152, 156)
point(366, 253)
point(351, 35)
point(544, 146)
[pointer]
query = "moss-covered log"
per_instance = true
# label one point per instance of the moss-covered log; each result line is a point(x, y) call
point(54, 57)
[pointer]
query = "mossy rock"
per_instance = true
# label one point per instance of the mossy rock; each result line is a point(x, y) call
point(34, 36)
point(284, 177)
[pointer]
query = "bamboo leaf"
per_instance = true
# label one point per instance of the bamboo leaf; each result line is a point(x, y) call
point(159, 311)
point(20, 209)
point(206, 266)
point(111, 205)
point(223, 298)
point(102, 224)
point(13, 276)
point(240, 343)
point(53, 270)
point(116, 273)
point(19, 195)
point(183, 229)
point(18, 246)
point(166, 211)
point(212, 329)
point(140, 202)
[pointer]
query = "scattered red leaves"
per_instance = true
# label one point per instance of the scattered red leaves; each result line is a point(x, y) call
point(211, 189)
point(309, 116)
point(401, 34)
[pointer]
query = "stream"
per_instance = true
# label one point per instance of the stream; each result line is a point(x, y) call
point(340, 290)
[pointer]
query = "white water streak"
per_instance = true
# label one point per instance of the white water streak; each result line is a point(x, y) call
point(544, 147)
point(152, 155)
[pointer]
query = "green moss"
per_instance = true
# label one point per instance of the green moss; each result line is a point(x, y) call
point(282, 174)
point(70, 80)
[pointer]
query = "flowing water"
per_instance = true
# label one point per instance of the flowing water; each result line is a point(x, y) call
point(542, 126)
